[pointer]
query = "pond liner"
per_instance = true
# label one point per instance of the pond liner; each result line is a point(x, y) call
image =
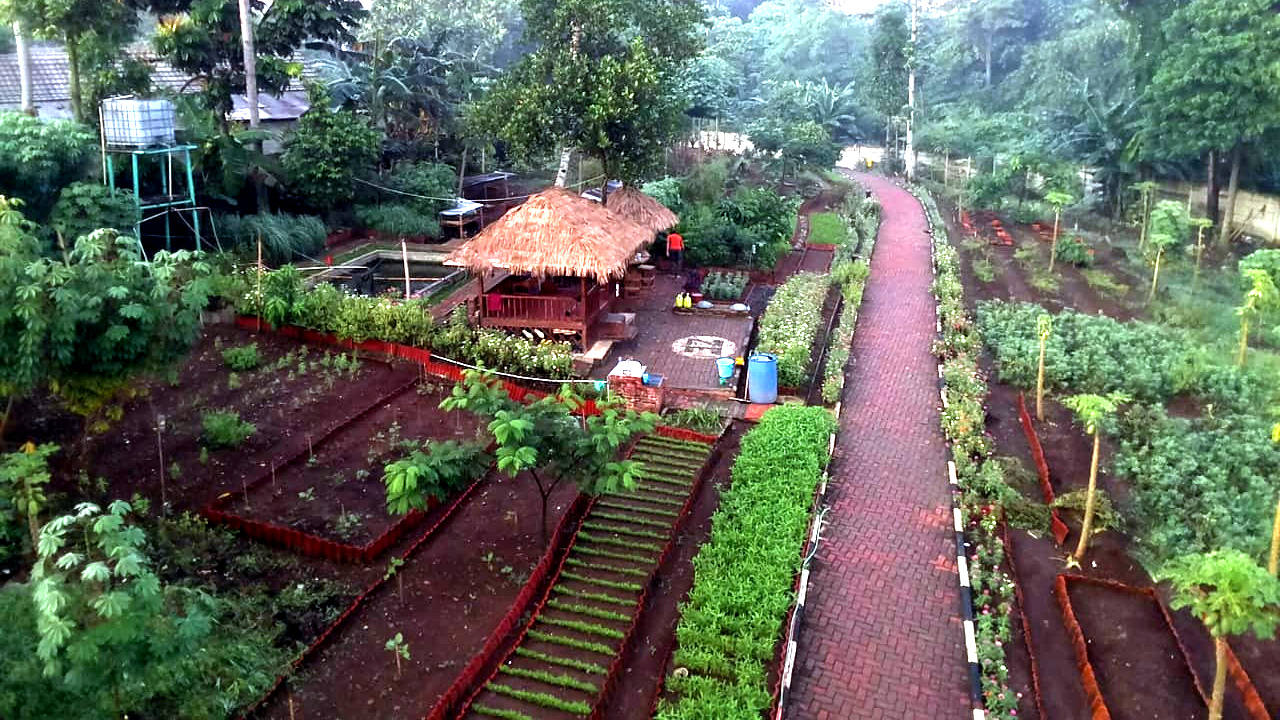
point(1252, 701)
point(355, 605)
point(1056, 525)
point(306, 543)
point(1026, 623)
point(467, 684)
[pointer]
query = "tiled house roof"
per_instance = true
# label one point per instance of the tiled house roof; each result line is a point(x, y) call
point(52, 93)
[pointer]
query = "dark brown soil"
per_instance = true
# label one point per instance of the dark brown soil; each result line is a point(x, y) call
point(345, 477)
point(1125, 629)
point(457, 588)
point(291, 396)
point(1139, 668)
point(645, 665)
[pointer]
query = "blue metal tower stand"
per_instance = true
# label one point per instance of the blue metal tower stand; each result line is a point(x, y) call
point(172, 198)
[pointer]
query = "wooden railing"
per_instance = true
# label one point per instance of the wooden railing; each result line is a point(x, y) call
point(545, 308)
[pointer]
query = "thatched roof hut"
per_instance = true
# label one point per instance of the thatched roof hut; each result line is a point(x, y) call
point(555, 232)
point(642, 210)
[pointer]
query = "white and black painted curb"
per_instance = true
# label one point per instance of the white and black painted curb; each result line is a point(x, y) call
point(962, 554)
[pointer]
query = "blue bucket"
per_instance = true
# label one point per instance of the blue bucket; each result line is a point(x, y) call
point(724, 368)
point(762, 378)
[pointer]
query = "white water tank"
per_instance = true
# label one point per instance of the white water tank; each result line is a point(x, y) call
point(134, 123)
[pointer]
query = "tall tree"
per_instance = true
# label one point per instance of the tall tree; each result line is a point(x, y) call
point(204, 40)
point(81, 26)
point(890, 40)
point(604, 78)
point(1214, 89)
point(26, 94)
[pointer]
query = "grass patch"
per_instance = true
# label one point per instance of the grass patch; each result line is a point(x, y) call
point(585, 667)
point(1104, 282)
point(588, 611)
point(498, 713)
point(543, 699)
point(571, 642)
point(827, 228)
point(583, 627)
point(550, 678)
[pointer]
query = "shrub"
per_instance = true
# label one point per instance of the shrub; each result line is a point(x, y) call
point(851, 278)
point(1074, 250)
point(790, 324)
point(83, 207)
point(724, 285)
point(698, 419)
point(325, 151)
point(431, 180)
point(399, 219)
point(243, 358)
point(445, 468)
point(667, 192)
point(225, 429)
point(743, 576)
point(284, 237)
point(40, 157)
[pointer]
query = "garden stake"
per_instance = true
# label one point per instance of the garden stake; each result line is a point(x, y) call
point(244, 488)
point(274, 488)
point(404, 254)
point(292, 712)
point(260, 281)
point(311, 452)
point(164, 495)
point(1273, 563)
point(1045, 326)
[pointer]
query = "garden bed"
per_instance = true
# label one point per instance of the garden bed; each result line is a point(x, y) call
point(295, 392)
point(333, 493)
point(458, 586)
point(1130, 660)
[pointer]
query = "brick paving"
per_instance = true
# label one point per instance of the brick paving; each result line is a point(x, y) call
point(881, 636)
point(659, 329)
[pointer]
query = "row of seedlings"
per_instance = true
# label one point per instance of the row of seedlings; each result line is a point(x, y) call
point(562, 666)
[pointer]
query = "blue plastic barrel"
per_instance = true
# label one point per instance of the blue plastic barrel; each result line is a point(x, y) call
point(724, 368)
point(762, 378)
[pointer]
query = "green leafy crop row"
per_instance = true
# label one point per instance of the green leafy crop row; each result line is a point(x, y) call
point(790, 324)
point(744, 575)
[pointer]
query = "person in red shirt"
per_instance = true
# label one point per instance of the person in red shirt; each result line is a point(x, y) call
point(675, 250)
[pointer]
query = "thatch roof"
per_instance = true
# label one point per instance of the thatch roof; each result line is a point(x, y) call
point(642, 210)
point(555, 232)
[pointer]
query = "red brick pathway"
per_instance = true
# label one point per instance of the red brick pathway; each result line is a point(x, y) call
point(881, 636)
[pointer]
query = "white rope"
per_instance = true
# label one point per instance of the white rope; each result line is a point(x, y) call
point(454, 199)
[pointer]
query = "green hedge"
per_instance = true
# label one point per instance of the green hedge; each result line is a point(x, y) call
point(745, 574)
point(790, 324)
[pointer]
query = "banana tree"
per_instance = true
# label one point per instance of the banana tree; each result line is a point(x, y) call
point(1044, 328)
point(1260, 297)
point(1146, 189)
point(1231, 594)
point(1057, 200)
point(1092, 411)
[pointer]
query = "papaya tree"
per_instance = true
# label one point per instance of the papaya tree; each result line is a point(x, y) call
point(23, 475)
point(1092, 411)
point(1167, 227)
point(546, 441)
point(1260, 297)
point(1058, 200)
point(1231, 594)
point(1044, 328)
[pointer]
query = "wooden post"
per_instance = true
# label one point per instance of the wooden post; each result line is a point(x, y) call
point(582, 281)
point(404, 254)
point(946, 170)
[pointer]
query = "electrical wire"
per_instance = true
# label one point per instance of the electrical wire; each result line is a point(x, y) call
point(454, 199)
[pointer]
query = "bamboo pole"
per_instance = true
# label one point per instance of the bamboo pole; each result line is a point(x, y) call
point(259, 280)
point(404, 255)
